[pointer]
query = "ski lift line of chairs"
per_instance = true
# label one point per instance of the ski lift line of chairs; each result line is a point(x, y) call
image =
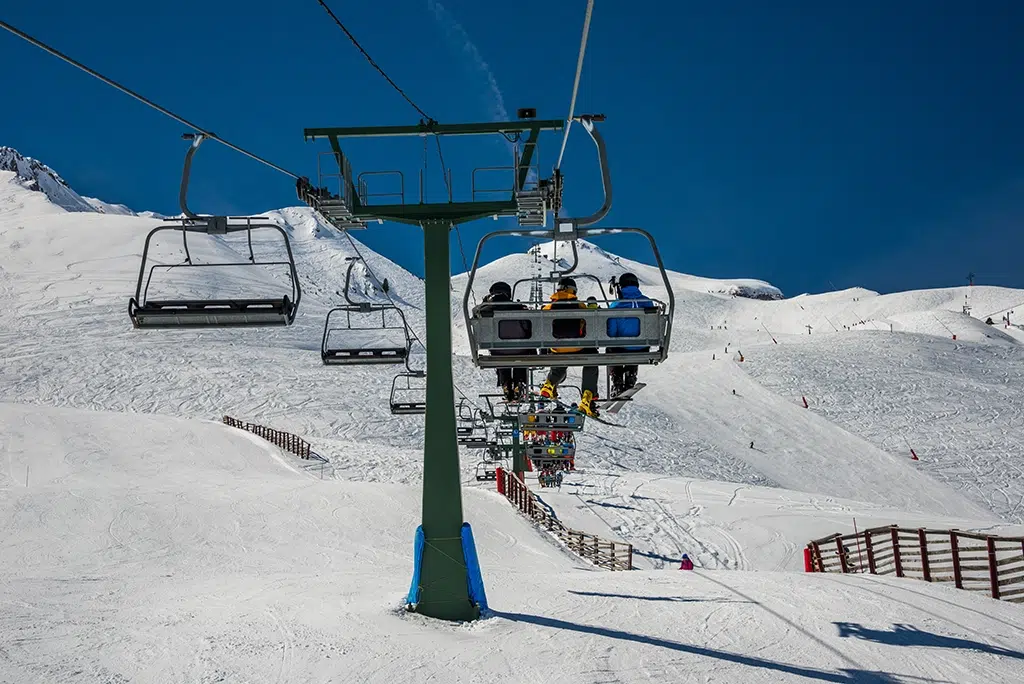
point(351, 354)
point(212, 313)
point(535, 330)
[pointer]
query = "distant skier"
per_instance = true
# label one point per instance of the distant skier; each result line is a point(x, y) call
point(564, 297)
point(628, 296)
point(386, 286)
point(686, 563)
point(512, 381)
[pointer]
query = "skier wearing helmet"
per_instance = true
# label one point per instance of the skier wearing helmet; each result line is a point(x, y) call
point(512, 381)
point(565, 298)
point(629, 296)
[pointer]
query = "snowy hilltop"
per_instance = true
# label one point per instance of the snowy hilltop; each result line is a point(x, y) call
point(33, 174)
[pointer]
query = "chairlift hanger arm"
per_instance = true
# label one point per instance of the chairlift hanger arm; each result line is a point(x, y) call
point(587, 121)
point(433, 128)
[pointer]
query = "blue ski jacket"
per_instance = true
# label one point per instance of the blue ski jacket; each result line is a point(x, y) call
point(630, 298)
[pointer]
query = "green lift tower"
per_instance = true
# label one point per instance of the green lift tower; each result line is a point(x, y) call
point(346, 201)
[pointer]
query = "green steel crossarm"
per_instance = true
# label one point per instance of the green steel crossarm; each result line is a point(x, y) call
point(436, 129)
point(447, 212)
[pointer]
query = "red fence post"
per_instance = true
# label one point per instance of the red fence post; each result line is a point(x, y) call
point(817, 557)
point(841, 550)
point(993, 569)
point(500, 479)
point(924, 555)
point(870, 551)
point(808, 565)
point(958, 578)
point(896, 551)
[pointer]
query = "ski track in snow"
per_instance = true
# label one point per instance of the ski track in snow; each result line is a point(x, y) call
point(958, 406)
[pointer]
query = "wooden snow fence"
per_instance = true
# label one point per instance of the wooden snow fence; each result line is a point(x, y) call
point(285, 440)
point(976, 562)
point(603, 553)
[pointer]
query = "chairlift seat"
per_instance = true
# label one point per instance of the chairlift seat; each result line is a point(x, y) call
point(476, 442)
point(211, 313)
point(364, 356)
point(402, 408)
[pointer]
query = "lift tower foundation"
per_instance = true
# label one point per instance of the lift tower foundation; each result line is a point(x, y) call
point(346, 201)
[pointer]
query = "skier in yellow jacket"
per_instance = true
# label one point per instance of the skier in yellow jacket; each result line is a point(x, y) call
point(564, 297)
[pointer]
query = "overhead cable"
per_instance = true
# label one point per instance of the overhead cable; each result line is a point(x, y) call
point(370, 60)
point(140, 98)
point(576, 82)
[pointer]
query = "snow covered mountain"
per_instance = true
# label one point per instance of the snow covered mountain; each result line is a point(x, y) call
point(32, 174)
point(125, 507)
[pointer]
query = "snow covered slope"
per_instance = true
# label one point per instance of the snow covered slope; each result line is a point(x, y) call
point(145, 548)
point(67, 277)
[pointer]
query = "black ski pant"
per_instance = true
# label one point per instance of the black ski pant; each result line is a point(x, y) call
point(618, 375)
point(590, 374)
point(514, 374)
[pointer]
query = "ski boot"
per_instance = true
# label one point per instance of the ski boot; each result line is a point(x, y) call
point(509, 391)
point(519, 392)
point(548, 390)
point(586, 405)
point(628, 380)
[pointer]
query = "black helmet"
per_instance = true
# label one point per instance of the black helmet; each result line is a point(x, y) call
point(628, 280)
point(501, 287)
point(567, 284)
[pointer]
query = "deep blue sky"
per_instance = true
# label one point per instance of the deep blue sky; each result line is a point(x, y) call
point(871, 143)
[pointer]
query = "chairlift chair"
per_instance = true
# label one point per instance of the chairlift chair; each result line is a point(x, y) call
point(146, 312)
point(409, 392)
point(383, 351)
point(486, 471)
point(535, 331)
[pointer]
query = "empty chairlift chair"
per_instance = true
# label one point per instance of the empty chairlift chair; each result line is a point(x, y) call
point(409, 393)
point(365, 332)
point(164, 311)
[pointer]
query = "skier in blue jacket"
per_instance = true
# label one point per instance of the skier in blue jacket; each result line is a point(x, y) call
point(629, 296)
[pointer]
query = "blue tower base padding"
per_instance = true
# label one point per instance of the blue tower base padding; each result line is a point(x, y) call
point(475, 579)
point(473, 574)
